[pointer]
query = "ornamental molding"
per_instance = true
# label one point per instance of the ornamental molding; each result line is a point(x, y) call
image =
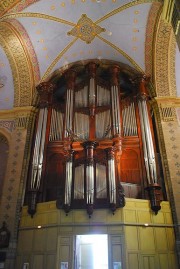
point(14, 5)
point(168, 101)
point(17, 112)
point(23, 82)
point(152, 23)
point(9, 125)
point(171, 66)
point(161, 61)
point(30, 49)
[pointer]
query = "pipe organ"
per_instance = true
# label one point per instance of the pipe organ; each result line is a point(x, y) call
point(93, 142)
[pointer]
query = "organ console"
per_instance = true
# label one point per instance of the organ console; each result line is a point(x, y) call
point(94, 141)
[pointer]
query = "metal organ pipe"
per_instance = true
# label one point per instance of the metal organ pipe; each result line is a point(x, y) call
point(148, 144)
point(146, 160)
point(70, 79)
point(52, 128)
point(92, 92)
point(68, 182)
point(67, 113)
point(151, 153)
point(90, 184)
point(39, 150)
point(129, 120)
point(134, 120)
point(89, 146)
point(56, 126)
point(112, 181)
point(124, 115)
point(115, 110)
point(59, 124)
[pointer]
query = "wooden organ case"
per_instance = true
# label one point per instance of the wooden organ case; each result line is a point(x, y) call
point(94, 142)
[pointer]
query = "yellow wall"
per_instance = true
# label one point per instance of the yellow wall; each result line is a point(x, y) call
point(136, 246)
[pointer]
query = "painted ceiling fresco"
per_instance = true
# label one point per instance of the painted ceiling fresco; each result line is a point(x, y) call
point(55, 33)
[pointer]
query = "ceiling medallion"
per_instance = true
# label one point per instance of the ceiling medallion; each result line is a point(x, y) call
point(86, 29)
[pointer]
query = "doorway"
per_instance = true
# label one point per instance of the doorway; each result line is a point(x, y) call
point(91, 251)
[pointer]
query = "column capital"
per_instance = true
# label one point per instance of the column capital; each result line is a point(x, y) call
point(89, 146)
point(45, 90)
point(110, 153)
point(70, 77)
point(114, 72)
point(144, 80)
point(91, 67)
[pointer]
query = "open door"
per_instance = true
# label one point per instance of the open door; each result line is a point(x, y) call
point(91, 251)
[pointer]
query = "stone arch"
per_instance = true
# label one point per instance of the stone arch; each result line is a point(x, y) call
point(21, 65)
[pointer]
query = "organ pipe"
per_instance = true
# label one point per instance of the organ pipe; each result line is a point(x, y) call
point(45, 92)
point(56, 125)
point(70, 80)
point(68, 183)
point(38, 150)
point(149, 155)
point(112, 182)
point(148, 148)
point(111, 178)
point(146, 160)
point(89, 146)
point(115, 101)
point(129, 120)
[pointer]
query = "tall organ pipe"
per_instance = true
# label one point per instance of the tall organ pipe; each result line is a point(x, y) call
point(112, 181)
point(146, 160)
point(153, 187)
point(151, 153)
point(70, 78)
point(39, 150)
point(147, 142)
point(89, 146)
point(115, 110)
point(68, 184)
point(90, 184)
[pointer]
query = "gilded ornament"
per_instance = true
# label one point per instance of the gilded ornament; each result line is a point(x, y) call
point(86, 29)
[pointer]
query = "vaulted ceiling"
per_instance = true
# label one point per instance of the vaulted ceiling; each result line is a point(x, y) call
point(40, 37)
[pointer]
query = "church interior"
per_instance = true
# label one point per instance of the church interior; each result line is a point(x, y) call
point(89, 134)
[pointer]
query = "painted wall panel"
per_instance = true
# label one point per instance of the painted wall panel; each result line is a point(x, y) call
point(132, 238)
point(171, 238)
point(144, 217)
point(130, 215)
point(163, 261)
point(148, 262)
point(161, 239)
point(133, 260)
point(159, 218)
point(39, 240)
point(51, 243)
point(146, 239)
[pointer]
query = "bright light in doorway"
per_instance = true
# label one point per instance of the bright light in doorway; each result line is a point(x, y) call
point(93, 251)
point(100, 252)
